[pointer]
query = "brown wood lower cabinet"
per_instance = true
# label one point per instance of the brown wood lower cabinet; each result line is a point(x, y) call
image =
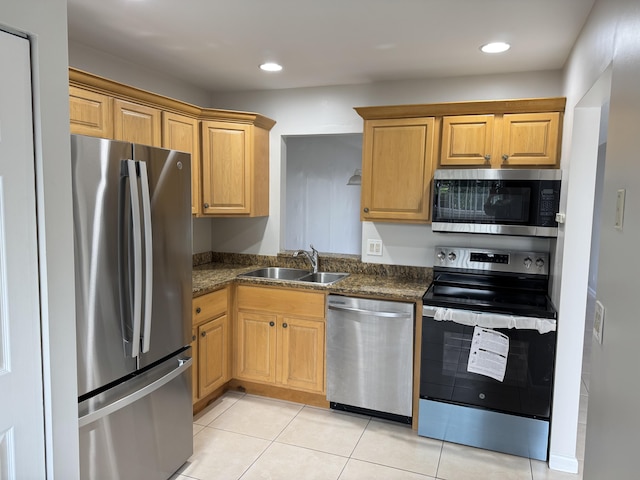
point(280, 337)
point(211, 343)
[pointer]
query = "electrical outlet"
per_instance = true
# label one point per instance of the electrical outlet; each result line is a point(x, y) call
point(374, 247)
point(598, 321)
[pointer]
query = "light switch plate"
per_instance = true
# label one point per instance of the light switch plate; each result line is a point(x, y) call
point(374, 247)
point(620, 209)
point(598, 321)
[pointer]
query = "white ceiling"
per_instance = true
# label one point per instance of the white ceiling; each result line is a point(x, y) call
point(218, 44)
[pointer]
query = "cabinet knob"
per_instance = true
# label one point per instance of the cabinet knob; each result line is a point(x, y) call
point(193, 338)
point(206, 205)
point(487, 157)
point(505, 157)
point(271, 324)
point(366, 210)
point(284, 325)
point(203, 334)
point(198, 310)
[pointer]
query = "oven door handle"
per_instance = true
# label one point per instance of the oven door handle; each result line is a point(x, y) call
point(489, 320)
point(429, 311)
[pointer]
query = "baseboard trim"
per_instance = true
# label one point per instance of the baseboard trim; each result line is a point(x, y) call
point(563, 463)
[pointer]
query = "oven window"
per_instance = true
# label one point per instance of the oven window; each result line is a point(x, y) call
point(482, 201)
point(526, 389)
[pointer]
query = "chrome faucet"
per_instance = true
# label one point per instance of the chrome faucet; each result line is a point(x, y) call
point(311, 256)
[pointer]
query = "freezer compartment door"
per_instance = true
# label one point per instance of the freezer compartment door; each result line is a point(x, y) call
point(166, 316)
point(141, 428)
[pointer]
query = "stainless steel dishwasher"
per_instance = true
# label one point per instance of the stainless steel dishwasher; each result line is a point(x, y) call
point(370, 356)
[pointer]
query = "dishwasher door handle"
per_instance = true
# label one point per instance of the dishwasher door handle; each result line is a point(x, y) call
point(369, 312)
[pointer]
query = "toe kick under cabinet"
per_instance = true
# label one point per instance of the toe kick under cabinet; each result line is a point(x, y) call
point(280, 338)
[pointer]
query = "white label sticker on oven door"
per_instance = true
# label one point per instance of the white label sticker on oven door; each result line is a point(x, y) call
point(489, 352)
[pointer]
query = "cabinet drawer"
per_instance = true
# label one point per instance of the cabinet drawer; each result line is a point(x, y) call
point(209, 306)
point(304, 303)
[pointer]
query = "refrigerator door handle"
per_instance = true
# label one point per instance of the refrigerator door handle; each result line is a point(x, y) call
point(137, 395)
point(148, 257)
point(137, 257)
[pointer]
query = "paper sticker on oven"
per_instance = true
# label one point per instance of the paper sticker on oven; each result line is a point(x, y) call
point(488, 354)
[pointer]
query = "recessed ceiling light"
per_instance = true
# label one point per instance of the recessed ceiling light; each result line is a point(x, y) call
point(495, 47)
point(271, 67)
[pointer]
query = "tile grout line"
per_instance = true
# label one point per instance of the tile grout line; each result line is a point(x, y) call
point(439, 459)
point(271, 442)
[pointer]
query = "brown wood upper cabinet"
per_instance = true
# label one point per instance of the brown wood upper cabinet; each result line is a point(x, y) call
point(90, 113)
point(180, 132)
point(229, 177)
point(235, 168)
point(500, 141)
point(403, 144)
point(136, 123)
point(397, 161)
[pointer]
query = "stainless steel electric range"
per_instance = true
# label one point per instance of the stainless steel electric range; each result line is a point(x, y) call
point(488, 351)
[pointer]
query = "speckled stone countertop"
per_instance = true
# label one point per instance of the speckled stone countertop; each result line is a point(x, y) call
point(212, 271)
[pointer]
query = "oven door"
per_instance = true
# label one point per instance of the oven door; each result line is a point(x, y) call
point(527, 385)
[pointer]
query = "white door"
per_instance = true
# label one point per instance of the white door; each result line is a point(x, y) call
point(21, 402)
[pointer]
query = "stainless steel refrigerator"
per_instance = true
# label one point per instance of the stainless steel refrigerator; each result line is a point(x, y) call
point(133, 250)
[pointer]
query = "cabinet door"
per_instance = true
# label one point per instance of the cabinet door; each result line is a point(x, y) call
point(397, 169)
point(213, 352)
point(302, 345)
point(136, 123)
point(530, 139)
point(181, 133)
point(467, 140)
point(90, 113)
point(256, 349)
point(226, 168)
point(194, 365)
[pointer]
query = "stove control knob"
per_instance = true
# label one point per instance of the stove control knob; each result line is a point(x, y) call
point(441, 255)
point(452, 256)
point(527, 262)
point(539, 263)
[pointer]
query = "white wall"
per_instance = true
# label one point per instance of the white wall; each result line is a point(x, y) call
point(45, 21)
point(321, 208)
point(114, 68)
point(313, 111)
point(614, 393)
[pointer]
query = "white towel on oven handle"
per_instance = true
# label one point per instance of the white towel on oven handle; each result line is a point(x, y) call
point(494, 320)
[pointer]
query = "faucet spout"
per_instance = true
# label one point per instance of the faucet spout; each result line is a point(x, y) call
point(311, 256)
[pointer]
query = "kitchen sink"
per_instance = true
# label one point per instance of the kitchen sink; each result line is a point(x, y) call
point(295, 275)
point(324, 278)
point(277, 273)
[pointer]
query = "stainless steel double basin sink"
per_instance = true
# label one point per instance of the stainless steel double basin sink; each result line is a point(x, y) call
point(295, 275)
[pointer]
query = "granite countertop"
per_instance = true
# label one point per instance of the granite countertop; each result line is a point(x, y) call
point(211, 276)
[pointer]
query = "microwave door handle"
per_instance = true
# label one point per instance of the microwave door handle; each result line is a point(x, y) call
point(148, 257)
point(137, 257)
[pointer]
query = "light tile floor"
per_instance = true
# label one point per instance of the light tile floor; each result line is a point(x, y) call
point(249, 437)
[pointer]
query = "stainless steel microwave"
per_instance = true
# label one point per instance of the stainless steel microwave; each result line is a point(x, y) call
point(497, 201)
